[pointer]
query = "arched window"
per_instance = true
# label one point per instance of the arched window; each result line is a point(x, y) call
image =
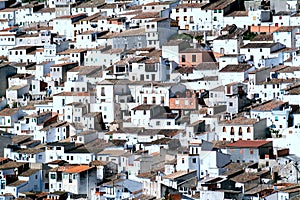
point(240, 131)
point(232, 131)
point(224, 129)
point(248, 130)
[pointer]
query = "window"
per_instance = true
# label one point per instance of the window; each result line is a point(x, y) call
point(191, 19)
point(182, 160)
point(177, 10)
point(232, 131)
point(194, 160)
point(224, 129)
point(248, 130)
point(183, 58)
point(240, 131)
point(102, 91)
point(184, 9)
point(153, 100)
point(52, 176)
point(251, 151)
point(186, 102)
point(276, 118)
point(185, 18)
point(157, 123)
point(193, 58)
point(168, 123)
point(230, 104)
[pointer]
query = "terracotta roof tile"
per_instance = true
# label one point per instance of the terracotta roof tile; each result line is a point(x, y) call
point(248, 143)
point(268, 106)
point(239, 121)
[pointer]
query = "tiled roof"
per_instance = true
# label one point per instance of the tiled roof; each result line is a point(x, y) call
point(146, 15)
point(72, 168)
point(8, 111)
point(131, 32)
point(114, 153)
point(285, 29)
point(11, 165)
point(263, 37)
point(46, 10)
point(29, 172)
point(248, 143)
point(236, 68)
point(71, 16)
point(219, 5)
point(112, 5)
point(191, 5)
point(97, 163)
point(245, 177)
point(239, 121)
point(3, 159)
point(268, 106)
point(16, 183)
point(192, 50)
point(208, 66)
point(259, 45)
point(77, 169)
point(177, 174)
point(158, 19)
point(73, 94)
point(142, 107)
point(279, 81)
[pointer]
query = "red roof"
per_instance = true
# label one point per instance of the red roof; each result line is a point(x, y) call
point(249, 143)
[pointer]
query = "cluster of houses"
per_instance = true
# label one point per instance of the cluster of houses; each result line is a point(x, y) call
point(144, 99)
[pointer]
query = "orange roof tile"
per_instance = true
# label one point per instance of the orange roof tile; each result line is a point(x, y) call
point(77, 169)
point(249, 143)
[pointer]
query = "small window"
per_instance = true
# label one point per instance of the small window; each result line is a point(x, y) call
point(248, 130)
point(183, 58)
point(53, 176)
point(251, 151)
point(224, 129)
point(193, 58)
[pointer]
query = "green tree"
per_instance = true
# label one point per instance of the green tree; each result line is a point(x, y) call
point(199, 38)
